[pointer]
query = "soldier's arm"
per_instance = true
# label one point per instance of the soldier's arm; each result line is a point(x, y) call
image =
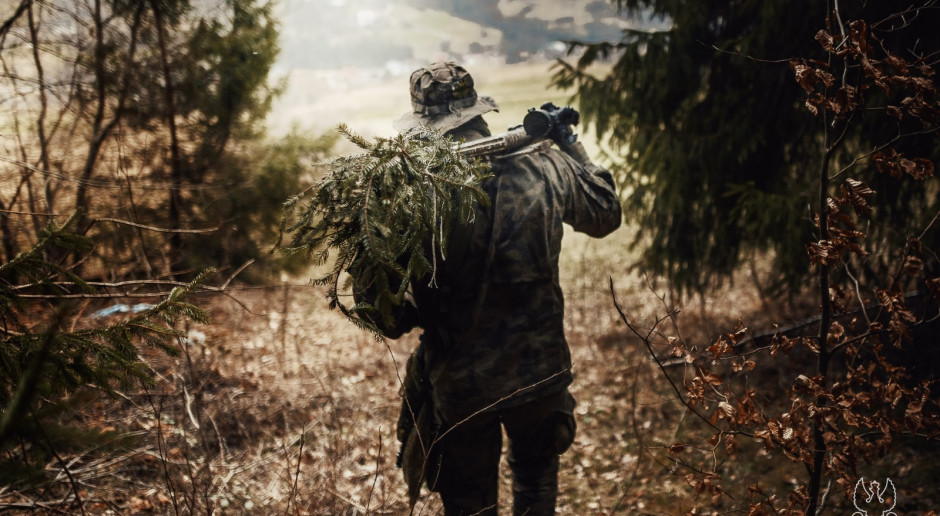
point(593, 207)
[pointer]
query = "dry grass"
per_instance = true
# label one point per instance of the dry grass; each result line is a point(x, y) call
point(280, 406)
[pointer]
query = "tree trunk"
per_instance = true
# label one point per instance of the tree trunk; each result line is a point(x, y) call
point(176, 165)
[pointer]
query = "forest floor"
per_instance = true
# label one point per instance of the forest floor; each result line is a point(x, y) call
point(281, 406)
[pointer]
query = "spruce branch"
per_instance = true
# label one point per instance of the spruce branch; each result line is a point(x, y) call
point(40, 370)
point(389, 210)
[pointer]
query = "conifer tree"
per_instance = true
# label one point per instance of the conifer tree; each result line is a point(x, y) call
point(43, 364)
point(712, 143)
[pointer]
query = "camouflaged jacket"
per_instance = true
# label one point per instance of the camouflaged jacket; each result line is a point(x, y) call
point(493, 327)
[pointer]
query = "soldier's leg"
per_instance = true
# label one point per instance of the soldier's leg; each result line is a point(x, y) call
point(469, 467)
point(538, 433)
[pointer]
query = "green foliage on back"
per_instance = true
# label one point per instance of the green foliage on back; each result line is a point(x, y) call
point(390, 208)
point(713, 145)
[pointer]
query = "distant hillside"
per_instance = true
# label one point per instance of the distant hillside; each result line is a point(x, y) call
point(530, 27)
point(348, 60)
point(332, 34)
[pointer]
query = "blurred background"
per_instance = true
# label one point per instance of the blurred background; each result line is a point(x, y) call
point(349, 60)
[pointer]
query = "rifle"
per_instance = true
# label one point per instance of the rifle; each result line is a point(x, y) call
point(540, 127)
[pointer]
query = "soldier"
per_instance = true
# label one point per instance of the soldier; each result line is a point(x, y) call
point(493, 351)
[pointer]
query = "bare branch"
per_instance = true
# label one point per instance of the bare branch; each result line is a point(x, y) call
point(43, 106)
point(236, 273)
point(156, 229)
point(929, 225)
point(745, 56)
point(100, 183)
point(5, 28)
point(904, 17)
point(649, 347)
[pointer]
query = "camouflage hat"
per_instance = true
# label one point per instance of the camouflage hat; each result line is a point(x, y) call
point(442, 97)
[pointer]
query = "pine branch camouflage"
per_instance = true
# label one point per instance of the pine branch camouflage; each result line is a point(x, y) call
point(390, 210)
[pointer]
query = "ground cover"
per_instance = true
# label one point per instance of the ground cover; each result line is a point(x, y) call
point(280, 406)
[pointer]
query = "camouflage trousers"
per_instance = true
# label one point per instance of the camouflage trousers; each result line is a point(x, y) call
point(538, 432)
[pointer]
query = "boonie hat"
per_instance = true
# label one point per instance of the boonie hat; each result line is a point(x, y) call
point(442, 97)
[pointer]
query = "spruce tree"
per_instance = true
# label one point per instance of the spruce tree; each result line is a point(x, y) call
point(711, 140)
point(43, 364)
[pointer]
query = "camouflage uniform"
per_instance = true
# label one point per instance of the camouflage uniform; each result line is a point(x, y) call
point(494, 332)
point(493, 348)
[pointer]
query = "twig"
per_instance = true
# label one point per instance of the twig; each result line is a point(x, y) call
point(497, 402)
point(823, 498)
point(745, 56)
point(102, 183)
point(161, 449)
point(640, 441)
point(375, 479)
point(65, 467)
point(649, 347)
point(156, 229)
point(188, 401)
point(296, 480)
point(47, 506)
point(929, 225)
point(236, 273)
point(869, 154)
point(282, 331)
point(31, 213)
point(347, 500)
point(858, 291)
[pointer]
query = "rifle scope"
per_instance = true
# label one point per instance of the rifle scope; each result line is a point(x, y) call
point(552, 122)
